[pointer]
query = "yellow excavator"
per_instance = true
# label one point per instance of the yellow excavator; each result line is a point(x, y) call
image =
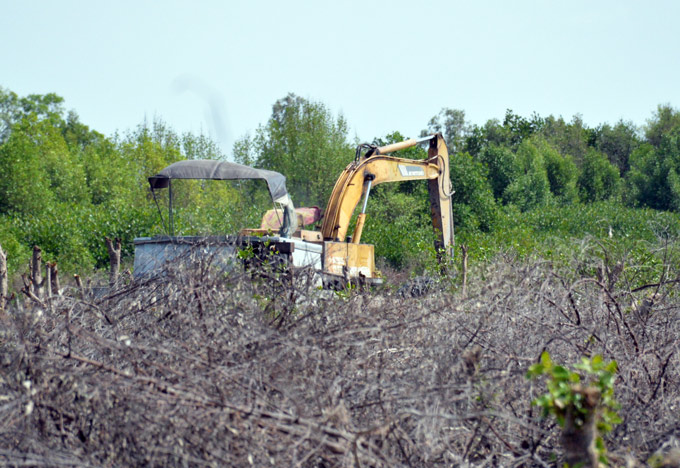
point(345, 258)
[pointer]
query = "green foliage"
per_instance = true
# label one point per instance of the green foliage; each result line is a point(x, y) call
point(303, 141)
point(617, 142)
point(665, 120)
point(73, 235)
point(502, 168)
point(557, 233)
point(561, 389)
point(18, 253)
point(566, 393)
point(599, 179)
point(200, 147)
point(570, 139)
point(399, 225)
point(65, 186)
point(148, 149)
point(474, 206)
point(654, 176)
point(519, 128)
point(451, 123)
point(521, 177)
point(13, 109)
point(217, 206)
point(110, 176)
point(653, 179)
point(531, 188)
point(24, 185)
point(510, 134)
point(57, 231)
point(561, 171)
point(122, 221)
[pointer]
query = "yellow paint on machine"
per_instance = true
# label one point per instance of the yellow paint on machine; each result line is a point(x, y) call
point(349, 260)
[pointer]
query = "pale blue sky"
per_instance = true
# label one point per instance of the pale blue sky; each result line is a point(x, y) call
point(218, 66)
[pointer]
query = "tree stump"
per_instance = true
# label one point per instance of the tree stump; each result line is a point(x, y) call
point(54, 278)
point(580, 432)
point(464, 250)
point(3, 278)
point(114, 257)
point(37, 282)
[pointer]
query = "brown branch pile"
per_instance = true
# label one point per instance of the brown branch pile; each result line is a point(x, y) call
point(206, 369)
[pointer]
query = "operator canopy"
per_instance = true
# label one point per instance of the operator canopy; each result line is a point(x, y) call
point(219, 170)
point(223, 170)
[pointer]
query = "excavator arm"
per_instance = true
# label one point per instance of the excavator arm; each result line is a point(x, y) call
point(375, 168)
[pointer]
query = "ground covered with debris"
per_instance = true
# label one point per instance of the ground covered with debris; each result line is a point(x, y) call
point(210, 369)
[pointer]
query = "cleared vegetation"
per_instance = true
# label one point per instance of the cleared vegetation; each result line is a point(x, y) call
point(210, 369)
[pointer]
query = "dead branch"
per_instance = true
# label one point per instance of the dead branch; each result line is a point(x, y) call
point(202, 368)
point(54, 277)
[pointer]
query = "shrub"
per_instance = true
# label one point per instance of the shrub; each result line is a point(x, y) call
point(474, 206)
point(582, 401)
point(531, 188)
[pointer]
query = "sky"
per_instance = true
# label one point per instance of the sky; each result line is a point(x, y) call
point(217, 67)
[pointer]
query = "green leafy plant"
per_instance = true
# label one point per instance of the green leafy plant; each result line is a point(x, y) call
point(580, 396)
point(346, 293)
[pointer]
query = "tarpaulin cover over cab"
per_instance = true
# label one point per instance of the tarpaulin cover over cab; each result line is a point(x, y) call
point(223, 170)
point(219, 170)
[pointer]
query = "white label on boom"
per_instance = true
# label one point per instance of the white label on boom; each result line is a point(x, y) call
point(411, 171)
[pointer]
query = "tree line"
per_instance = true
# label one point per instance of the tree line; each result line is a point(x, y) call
point(66, 187)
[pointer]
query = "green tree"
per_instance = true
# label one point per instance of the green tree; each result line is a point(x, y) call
point(451, 123)
point(653, 179)
point(502, 167)
point(663, 122)
point(531, 188)
point(38, 168)
point(14, 108)
point(570, 139)
point(77, 135)
point(303, 141)
point(65, 187)
point(561, 171)
point(200, 147)
point(599, 179)
point(24, 185)
point(398, 224)
point(510, 134)
point(617, 142)
point(149, 149)
point(519, 128)
point(473, 202)
point(494, 133)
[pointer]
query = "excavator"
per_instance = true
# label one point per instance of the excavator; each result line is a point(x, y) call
point(337, 254)
point(344, 256)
